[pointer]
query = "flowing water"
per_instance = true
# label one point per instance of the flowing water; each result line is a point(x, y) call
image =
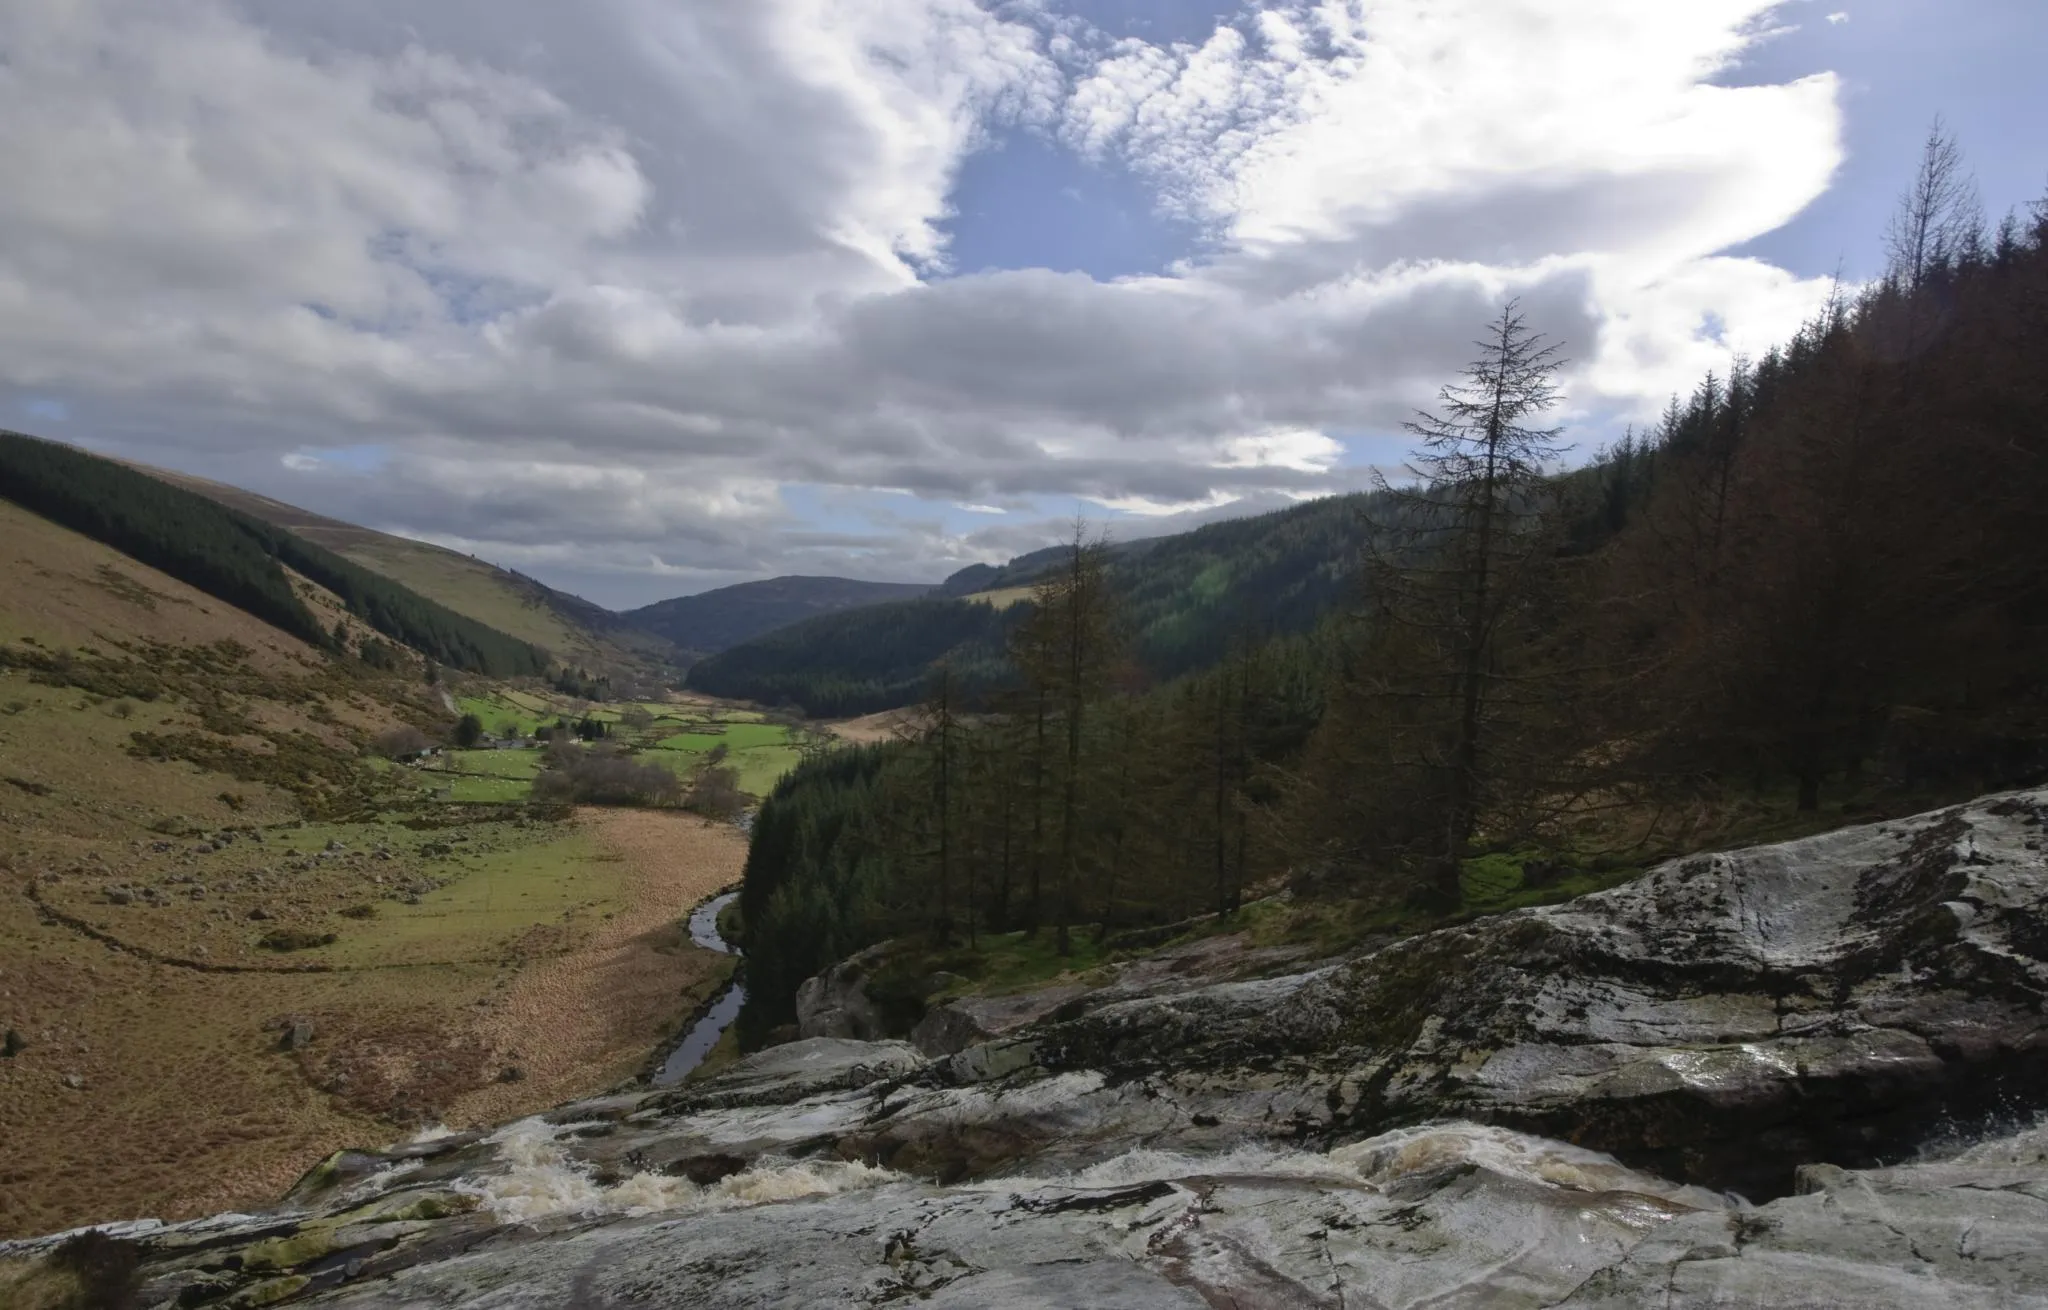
point(704, 1034)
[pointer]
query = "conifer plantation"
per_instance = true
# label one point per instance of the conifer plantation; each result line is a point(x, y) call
point(1818, 586)
point(240, 559)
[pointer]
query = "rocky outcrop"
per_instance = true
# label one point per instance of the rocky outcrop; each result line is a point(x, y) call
point(836, 1004)
point(954, 1025)
point(1447, 1216)
point(1791, 1021)
point(1721, 1019)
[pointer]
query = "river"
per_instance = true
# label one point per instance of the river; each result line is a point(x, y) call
point(704, 1034)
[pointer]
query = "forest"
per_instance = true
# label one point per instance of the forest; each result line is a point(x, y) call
point(1184, 600)
point(858, 661)
point(1816, 588)
point(242, 560)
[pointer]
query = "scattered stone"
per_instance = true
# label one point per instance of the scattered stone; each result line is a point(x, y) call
point(75, 1081)
point(259, 913)
point(297, 1034)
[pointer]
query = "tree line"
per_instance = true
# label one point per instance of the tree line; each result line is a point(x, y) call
point(1184, 601)
point(240, 559)
point(1819, 581)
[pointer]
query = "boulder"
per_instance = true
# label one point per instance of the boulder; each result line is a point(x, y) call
point(835, 1003)
point(971, 1020)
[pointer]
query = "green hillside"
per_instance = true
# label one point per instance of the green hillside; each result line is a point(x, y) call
point(571, 629)
point(713, 621)
point(1186, 598)
point(240, 559)
point(862, 660)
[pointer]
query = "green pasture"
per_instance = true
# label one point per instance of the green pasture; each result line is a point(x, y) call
point(465, 788)
point(492, 898)
point(501, 764)
point(732, 736)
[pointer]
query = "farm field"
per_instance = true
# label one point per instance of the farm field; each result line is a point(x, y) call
point(681, 736)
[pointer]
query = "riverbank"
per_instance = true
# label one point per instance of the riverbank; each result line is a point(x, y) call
point(585, 1019)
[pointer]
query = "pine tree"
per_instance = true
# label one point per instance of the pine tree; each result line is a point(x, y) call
point(1443, 713)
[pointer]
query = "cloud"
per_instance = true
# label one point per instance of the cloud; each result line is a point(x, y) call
point(607, 286)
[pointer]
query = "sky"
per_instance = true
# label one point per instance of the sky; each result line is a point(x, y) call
point(644, 297)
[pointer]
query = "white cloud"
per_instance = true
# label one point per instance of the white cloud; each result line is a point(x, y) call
point(604, 280)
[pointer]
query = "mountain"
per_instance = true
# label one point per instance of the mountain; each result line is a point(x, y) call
point(858, 661)
point(266, 571)
point(1186, 598)
point(570, 628)
point(713, 621)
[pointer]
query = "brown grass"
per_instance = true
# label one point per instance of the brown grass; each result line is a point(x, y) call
point(581, 1021)
point(887, 725)
point(153, 1082)
point(64, 589)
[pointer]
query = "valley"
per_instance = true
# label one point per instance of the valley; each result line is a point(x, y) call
point(234, 939)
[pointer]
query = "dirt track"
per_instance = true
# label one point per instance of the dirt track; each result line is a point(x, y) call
point(578, 1022)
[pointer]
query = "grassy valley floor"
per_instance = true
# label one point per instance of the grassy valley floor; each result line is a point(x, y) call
point(477, 972)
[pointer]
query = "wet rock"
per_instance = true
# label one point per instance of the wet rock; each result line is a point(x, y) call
point(1450, 1216)
point(971, 1020)
point(787, 1073)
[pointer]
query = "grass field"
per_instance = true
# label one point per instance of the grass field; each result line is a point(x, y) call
point(194, 852)
point(678, 736)
point(760, 752)
point(1002, 597)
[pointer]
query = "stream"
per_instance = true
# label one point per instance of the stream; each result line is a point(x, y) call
point(704, 1034)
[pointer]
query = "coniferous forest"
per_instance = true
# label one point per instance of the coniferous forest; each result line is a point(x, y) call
point(1818, 585)
point(240, 559)
point(1184, 602)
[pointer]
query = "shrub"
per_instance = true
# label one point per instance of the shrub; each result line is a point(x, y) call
point(604, 778)
point(398, 743)
point(716, 794)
